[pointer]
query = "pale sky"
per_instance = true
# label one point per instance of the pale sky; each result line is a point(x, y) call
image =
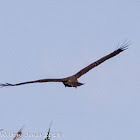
point(53, 39)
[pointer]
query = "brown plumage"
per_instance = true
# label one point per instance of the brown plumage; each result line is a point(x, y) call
point(72, 81)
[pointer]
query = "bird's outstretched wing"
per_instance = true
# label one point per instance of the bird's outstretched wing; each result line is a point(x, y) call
point(98, 62)
point(29, 82)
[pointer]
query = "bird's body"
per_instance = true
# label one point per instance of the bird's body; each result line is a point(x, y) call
point(72, 81)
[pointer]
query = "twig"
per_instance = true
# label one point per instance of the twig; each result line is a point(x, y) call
point(18, 135)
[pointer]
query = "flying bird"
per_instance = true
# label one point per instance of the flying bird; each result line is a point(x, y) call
point(72, 81)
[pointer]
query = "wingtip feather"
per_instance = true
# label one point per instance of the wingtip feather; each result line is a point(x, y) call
point(6, 85)
point(124, 46)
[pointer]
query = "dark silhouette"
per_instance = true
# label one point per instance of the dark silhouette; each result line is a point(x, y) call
point(72, 81)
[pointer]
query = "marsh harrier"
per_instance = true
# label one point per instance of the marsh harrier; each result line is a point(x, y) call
point(72, 81)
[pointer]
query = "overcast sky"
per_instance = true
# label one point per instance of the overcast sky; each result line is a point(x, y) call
point(56, 38)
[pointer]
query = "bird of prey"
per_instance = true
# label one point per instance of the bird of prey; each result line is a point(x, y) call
point(72, 81)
